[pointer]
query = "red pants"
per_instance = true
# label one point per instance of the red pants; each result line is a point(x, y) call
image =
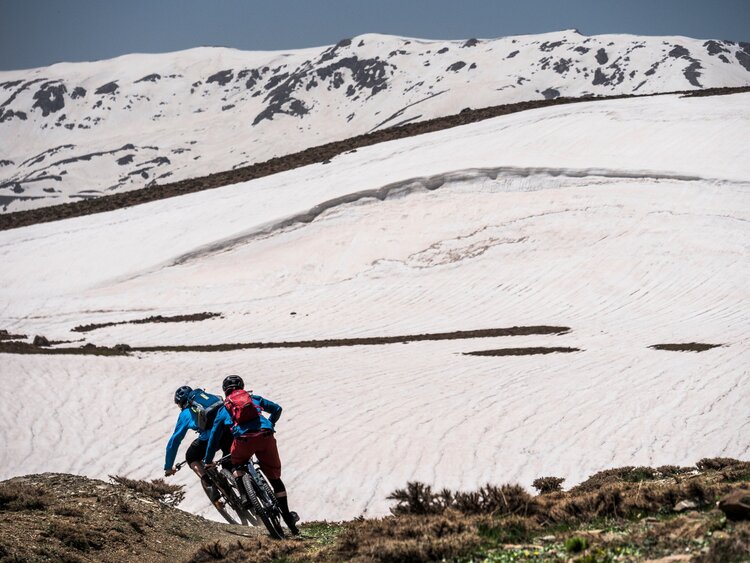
point(263, 446)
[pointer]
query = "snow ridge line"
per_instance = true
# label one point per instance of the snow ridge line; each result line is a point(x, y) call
point(430, 183)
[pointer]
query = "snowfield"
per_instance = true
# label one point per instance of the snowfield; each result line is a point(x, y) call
point(626, 221)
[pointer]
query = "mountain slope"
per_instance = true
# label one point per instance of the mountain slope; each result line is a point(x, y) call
point(625, 220)
point(73, 131)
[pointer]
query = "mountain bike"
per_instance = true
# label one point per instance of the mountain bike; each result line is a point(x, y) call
point(262, 498)
point(229, 503)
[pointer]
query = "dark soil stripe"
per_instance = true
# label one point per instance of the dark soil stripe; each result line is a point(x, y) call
point(520, 351)
point(156, 319)
point(366, 341)
point(121, 349)
point(309, 156)
point(88, 350)
point(685, 347)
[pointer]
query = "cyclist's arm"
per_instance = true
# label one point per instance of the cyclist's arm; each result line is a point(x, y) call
point(180, 429)
point(217, 431)
point(271, 408)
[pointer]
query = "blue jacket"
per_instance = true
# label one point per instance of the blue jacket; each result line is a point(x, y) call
point(223, 421)
point(185, 422)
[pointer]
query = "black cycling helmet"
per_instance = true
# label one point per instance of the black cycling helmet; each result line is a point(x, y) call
point(181, 395)
point(232, 383)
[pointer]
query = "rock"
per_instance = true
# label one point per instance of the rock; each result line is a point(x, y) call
point(40, 341)
point(548, 538)
point(122, 347)
point(684, 505)
point(736, 505)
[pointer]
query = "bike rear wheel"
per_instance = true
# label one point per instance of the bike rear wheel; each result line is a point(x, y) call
point(264, 506)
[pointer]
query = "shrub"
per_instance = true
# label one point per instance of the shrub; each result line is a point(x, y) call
point(734, 547)
point(547, 485)
point(576, 544)
point(68, 511)
point(260, 549)
point(17, 496)
point(76, 537)
point(418, 499)
point(157, 489)
point(717, 463)
point(409, 538)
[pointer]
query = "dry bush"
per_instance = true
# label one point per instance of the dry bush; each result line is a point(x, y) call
point(157, 489)
point(672, 470)
point(15, 497)
point(497, 501)
point(628, 474)
point(260, 549)
point(718, 463)
point(547, 485)
point(419, 499)
point(626, 500)
point(76, 537)
point(409, 538)
point(729, 548)
point(68, 511)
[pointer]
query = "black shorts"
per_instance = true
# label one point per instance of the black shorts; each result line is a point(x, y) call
point(197, 450)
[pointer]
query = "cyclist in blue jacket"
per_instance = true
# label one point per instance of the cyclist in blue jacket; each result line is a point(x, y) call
point(197, 449)
point(254, 437)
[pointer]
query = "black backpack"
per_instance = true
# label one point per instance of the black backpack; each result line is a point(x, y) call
point(203, 407)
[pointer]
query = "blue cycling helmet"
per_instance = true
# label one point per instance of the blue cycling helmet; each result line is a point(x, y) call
point(181, 395)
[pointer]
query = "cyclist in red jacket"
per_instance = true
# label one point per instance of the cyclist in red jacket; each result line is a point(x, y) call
point(253, 436)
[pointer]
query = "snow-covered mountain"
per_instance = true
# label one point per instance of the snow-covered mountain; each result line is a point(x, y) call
point(80, 130)
point(625, 220)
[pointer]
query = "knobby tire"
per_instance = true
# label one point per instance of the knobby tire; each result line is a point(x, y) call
point(264, 509)
point(231, 500)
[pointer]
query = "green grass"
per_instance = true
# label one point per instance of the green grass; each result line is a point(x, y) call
point(324, 533)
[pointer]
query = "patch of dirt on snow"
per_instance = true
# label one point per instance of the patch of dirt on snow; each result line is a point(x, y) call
point(685, 347)
point(531, 351)
point(155, 319)
point(365, 341)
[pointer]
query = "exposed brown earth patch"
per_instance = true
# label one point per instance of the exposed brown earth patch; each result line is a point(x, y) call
point(123, 349)
point(685, 347)
point(365, 341)
point(86, 350)
point(155, 319)
point(312, 155)
point(5, 335)
point(532, 351)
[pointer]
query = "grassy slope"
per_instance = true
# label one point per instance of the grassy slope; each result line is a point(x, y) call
point(624, 514)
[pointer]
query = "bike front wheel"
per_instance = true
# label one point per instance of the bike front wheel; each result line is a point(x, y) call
point(229, 504)
point(264, 507)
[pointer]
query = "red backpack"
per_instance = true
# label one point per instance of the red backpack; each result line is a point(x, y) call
point(240, 405)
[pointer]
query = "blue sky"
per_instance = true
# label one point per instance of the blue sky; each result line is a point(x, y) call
point(41, 32)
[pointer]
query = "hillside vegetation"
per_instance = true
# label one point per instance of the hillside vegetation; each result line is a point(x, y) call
point(667, 513)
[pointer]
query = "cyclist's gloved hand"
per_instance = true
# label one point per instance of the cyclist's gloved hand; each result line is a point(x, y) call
point(168, 472)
